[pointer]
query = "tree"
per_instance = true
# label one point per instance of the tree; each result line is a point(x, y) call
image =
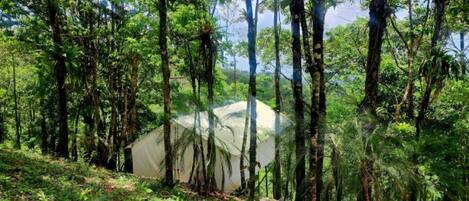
point(17, 115)
point(430, 79)
point(163, 33)
point(277, 186)
point(252, 32)
point(377, 25)
point(295, 10)
point(61, 73)
point(439, 11)
point(318, 117)
point(208, 52)
point(313, 69)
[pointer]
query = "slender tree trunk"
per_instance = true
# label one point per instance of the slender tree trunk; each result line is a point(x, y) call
point(131, 134)
point(440, 6)
point(30, 124)
point(461, 57)
point(252, 32)
point(124, 119)
point(242, 167)
point(335, 163)
point(209, 61)
point(74, 137)
point(53, 136)
point(166, 91)
point(61, 73)
point(377, 25)
point(319, 111)
point(17, 116)
point(97, 128)
point(313, 69)
point(234, 75)
point(2, 123)
point(286, 194)
point(44, 134)
point(429, 82)
point(295, 10)
point(277, 174)
point(110, 163)
point(407, 102)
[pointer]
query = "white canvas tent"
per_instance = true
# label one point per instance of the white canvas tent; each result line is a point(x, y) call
point(148, 151)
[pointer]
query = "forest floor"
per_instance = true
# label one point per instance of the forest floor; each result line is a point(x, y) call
point(26, 175)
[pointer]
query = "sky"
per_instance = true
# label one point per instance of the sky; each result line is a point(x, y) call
point(343, 13)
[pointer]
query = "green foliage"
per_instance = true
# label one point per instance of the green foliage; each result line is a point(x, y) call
point(27, 175)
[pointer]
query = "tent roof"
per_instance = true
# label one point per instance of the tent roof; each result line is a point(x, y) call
point(230, 121)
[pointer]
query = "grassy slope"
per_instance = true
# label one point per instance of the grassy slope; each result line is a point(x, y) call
point(29, 176)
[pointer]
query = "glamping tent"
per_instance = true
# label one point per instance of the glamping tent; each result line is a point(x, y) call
point(148, 151)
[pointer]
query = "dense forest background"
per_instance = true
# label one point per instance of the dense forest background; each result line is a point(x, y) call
point(380, 104)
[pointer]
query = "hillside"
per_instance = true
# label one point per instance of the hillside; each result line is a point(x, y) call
point(29, 176)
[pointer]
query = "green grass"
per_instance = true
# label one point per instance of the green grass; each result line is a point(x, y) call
point(26, 175)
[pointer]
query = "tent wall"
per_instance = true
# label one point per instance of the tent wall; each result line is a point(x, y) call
point(148, 156)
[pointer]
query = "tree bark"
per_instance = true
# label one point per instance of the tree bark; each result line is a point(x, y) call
point(74, 137)
point(242, 167)
point(209, 62)
point(440, 6)
point(17, 116)
point(295, 10)
point(462, 47)
point(377, 25)
point(277, 174)
point(313, 69)
point(166, 92)
point(252, 32)
point(429, 82)
point(335, 163)
point(318, 116)
point(2, 124)
point(131, 134)
point(60, 73)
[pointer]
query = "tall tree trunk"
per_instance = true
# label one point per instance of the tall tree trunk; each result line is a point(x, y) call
point(461, 57)
point(429, 82)
point(277, 174)
point(407, 102)
point(377, 25)
point(110, 162)
point(17, 116)
point(319, 111)
point(95, 123)
point(166, 92)
point(335, 163)
point(124, 118)
point(296, 7)
point(44, 134)
point(314, 67)
point(2, 123)
point(286, 193)
point(409, 94)
point(242, 167)
point(234, 75)
point(131, 134)
point(30, 125)
point(252, 32)
point(209, 64)
point(440, 6)
point(74, 137)
point(61, 73)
